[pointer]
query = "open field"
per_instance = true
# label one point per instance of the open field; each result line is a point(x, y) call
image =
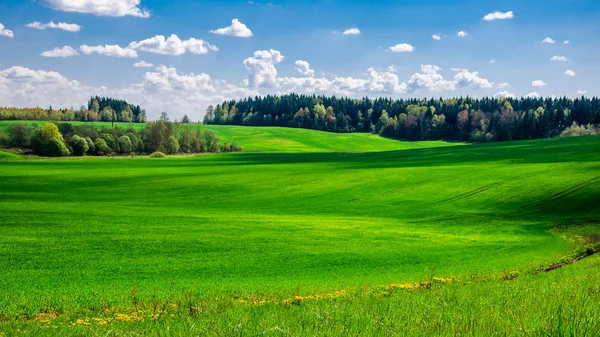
point(224, 243)
point(286, 139)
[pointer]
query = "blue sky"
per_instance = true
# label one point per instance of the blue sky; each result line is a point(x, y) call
point(504, 56)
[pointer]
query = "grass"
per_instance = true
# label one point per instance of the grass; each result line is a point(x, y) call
point(276, 139)
point(222, 241)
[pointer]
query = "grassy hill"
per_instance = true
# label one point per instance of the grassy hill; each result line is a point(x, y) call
point(406, 242)
point(286, 139)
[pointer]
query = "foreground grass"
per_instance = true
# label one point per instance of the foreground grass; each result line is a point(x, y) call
point(97, 238)
point(285, 139)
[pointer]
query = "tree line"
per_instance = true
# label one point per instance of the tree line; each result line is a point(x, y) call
point(64, 139)
point(98, 109)
point(457, 119)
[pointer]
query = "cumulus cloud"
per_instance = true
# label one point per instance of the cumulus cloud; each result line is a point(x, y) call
point(504, 94)
point(109, 50)
point(65, 51)
point(402, 48)
point(499, 16)
point(436, 37)
point(492, 61)
point(429, 79)
point(237, 29)
point(538, 83)
point(548, 40)
point(503, 85)
point(143, 64)
point(261, 68)
point(6, 32)
point(567, 42)
point(464, 78)
point(303, 68)
point(462, 33)
point(558, 58)
point(570, 73)
point(69, 27)
point(24, 87)
point(100, 7)
point(581, 92)
point(532, 95)
point(352, 31)
point(173, 45)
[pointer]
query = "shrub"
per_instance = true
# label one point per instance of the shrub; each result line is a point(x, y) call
point(3, 138)
point(125, 145)
point(172, 145)
point(79, 145)
point(101, 146)
point(19, 135)
point(47, 141)
point(109, 140)
point(158, 154)
point(91, 146)
point(139, 146)
point(576, 130)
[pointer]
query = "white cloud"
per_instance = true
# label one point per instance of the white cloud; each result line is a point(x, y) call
point(538, 83)
point(237, 29)
point(261, 68)
point(65, 51)
point(570, 73)
point(143, 64)
point(303, 68)
point(532, 95)
point(173, 45)
point(24, 87)
point(492, 61)
point(436, 37)
point(498, 16)
point(100, 7)
point(503, 85)
point(581, 92)
point(462, 33)
point(109, 50)
point(429, 79)
point(352, 31)
point(464, 78)
point(402, 48)
point(504, 94)
point(69, 27)
point(558, 58)
point(567, 42)
point(6, 32)
point(548, 40)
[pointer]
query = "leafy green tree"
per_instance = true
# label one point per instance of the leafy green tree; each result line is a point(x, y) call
point(19, 135)
point(186, 139)
point(109, 139)
point(164, 117)
point(211, 141)
point(79, 145)
point(91, 146)
point(138, 147)
point(125, 145)
point(47, 141)
point(185, 119)
point(172, 145)
point(101, 147)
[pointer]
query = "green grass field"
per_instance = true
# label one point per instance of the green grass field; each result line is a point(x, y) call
point(413, 241)
point(276, 139)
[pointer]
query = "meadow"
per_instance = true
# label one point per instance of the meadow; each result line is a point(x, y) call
point(278, 139)
point(405, 240)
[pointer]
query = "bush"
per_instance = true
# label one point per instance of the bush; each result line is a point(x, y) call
point(91, 146)
point(109, 140)
point(576, 130)
point(101, 146)
point(47, 141)
point(158, 154)
point(3, 138)
point(139, 146)
point(125, 145)
point(79, 145)
point(172, 145)
point(19, 135)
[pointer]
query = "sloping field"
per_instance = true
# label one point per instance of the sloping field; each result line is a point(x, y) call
point(81, 236)
point(286, 139)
